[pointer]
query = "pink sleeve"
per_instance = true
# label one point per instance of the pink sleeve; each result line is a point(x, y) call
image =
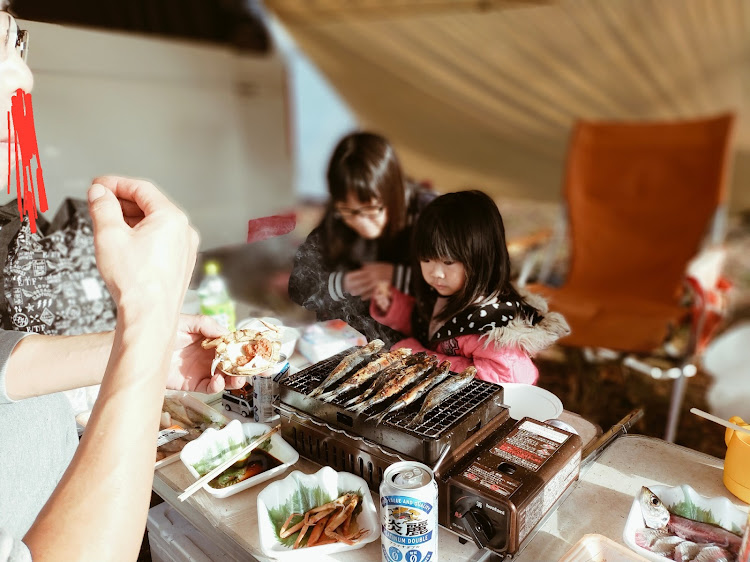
point(497, 364)
point(398, 316)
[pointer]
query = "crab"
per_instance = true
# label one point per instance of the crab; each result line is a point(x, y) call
point(331, 523)
point(245, 352)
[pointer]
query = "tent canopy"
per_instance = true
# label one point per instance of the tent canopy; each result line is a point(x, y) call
point(484, 93)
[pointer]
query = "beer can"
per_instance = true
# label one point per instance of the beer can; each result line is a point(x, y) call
point(409, 513)
point(266, 391)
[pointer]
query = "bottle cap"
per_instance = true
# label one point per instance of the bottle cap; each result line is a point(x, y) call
point(211, 267)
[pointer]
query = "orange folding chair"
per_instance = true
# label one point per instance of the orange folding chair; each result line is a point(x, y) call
point(642, 200)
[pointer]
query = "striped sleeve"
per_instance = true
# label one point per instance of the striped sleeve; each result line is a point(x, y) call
point(335, 285)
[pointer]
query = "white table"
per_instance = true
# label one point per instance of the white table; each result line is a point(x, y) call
point(231, 523)
point(602, 498)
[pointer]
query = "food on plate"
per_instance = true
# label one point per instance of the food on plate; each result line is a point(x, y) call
point(437, 376)
point(183, 419)
point(347, 364)
point(680, 538)
point(331, 522)
point(442, 392)
point(246, 352)
point(255, 462)
point(367, 373)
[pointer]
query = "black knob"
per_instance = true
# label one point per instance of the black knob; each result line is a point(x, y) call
point(478, 526)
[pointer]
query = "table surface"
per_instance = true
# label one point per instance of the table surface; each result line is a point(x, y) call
point(232, 522)
point(602, 498)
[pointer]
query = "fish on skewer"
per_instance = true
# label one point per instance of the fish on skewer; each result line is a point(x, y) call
point(394, 387)
point(438, 375)
point(442, 392)
point(366, 373)
point(386, 375)
point(347, 364)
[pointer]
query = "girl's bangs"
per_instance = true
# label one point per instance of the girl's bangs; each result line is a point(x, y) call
point(432, 244)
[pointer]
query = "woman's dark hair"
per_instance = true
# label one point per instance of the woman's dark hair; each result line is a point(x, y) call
point(365, 165)
point(465, 227)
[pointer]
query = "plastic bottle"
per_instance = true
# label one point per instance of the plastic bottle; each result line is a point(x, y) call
point(214, 297)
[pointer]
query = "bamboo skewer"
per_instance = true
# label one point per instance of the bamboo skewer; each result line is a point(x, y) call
point(213, 473)
point(718, 420)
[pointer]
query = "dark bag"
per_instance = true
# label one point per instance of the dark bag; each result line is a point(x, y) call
point(50, 281)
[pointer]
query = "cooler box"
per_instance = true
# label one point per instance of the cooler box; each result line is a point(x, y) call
point(173, 539)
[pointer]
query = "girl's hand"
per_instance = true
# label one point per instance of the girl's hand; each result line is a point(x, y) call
point(362, 282)
point(382, 297)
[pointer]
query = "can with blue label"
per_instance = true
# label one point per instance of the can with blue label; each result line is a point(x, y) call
point(409, 513)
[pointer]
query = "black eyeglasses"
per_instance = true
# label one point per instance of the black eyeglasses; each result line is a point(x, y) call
point(369, 212)
point(14, 39)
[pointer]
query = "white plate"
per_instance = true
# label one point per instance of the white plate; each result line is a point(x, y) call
point(217, 444)
point(289, 335)
point(297, 488)
point(723, 513)
point(527, 400)
point(598, 548)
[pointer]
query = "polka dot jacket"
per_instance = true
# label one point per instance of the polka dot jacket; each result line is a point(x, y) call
point(497, 337)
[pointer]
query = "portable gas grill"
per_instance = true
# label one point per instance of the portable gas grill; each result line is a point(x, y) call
point(498, 477)
point(327, 433)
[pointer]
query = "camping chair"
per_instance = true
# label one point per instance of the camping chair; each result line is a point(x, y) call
point(642, 200)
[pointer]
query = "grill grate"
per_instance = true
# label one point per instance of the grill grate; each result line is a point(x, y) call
point(448, 414)
point(437, 423)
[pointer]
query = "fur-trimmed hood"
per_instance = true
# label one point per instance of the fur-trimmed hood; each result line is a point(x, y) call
point(521, 331)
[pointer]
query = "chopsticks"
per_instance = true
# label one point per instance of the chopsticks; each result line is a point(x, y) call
point(198, 484)
point(718, 420)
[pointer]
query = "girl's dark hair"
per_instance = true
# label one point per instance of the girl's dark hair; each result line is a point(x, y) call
point(364, 164)
point(466, 227)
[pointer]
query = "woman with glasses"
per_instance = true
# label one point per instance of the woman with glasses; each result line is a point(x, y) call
point(363, 239)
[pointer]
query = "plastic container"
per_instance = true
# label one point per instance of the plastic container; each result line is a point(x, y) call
point(172, 538)
point(598, 548)
point(214, 297)
point(324, 339)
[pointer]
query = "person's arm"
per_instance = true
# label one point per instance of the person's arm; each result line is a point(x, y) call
point(46, 364)
point(497, 364)
point(146, 252)
point(398, 315)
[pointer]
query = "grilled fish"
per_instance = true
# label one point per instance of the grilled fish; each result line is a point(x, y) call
point(394, 387)
point(438, 375)
point(444, 390)
point(387, 375)
point(347, 364)
point(367, 373)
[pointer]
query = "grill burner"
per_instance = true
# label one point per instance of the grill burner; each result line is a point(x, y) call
point(451, 423)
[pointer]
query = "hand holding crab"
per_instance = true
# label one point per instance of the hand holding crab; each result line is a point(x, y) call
point(245, 352)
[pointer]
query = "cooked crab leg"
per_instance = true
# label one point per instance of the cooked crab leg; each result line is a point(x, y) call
point(317, 531)
point(286, 531)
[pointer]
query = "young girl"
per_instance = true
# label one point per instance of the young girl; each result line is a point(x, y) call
point(364, 236)
point(465, 308)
